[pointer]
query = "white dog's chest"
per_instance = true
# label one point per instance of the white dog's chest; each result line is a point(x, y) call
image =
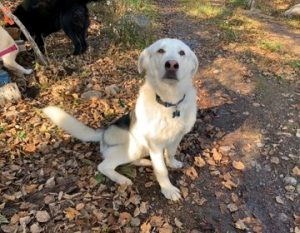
point(163, 127)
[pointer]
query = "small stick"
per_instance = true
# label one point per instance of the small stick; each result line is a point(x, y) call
point(26, 33)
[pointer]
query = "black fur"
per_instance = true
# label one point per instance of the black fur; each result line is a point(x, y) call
point(126, 121)
point(43, 17)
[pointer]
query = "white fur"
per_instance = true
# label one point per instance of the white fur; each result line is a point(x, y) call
point(9, 59)
point(155, 132)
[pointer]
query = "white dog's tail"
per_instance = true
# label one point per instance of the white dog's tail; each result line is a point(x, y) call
point(71, 125)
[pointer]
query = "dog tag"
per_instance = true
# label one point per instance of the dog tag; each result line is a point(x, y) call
point(176, 114)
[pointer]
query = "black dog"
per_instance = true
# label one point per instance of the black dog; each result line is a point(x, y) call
point(43, 17)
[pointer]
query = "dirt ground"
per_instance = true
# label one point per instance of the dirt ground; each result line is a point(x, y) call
point(242, 160)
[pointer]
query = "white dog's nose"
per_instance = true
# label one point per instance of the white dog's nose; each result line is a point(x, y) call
point(171, 65)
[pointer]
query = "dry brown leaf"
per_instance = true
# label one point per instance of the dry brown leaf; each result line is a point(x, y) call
point(211, 162)
point(30, 188)
point(156, 221)
point(184, 191)
point(229, 184)
point(144, 207)
point(166, 228)
point(238, 165)
point(42, 216)
point(30, 148)
point(145, 227)
point(191, 173)
point(124, 218)
point(178, 223)
point(296, 171)
point(199, 161)
point(79, 206)
point(216, 155)
point(71, 213)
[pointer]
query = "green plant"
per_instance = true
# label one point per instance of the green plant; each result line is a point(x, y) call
point(295, 64)
point(128, 22)
point(271, 46)
point(203, 8)
point(238, 2)
point(21, 135)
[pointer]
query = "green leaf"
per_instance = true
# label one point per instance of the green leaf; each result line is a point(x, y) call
point(100, 178)
point(128, 170)
point(21, 135)
point(3, 220)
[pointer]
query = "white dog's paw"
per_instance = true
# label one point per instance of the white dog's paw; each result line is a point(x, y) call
point(28, 71)
point(171, 192)
point(124, 181)
point(174, 163)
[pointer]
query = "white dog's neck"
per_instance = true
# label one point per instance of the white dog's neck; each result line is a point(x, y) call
point(171, 93)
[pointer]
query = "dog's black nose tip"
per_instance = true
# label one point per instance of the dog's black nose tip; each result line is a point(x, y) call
point(171, 65)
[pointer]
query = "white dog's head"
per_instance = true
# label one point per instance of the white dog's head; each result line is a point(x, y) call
point(169, 61)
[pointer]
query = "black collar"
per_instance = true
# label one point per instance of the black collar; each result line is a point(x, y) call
point(176, 113)
point(167, 104)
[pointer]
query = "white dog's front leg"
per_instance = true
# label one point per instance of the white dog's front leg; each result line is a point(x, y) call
point(161, 172)
point(170, 154)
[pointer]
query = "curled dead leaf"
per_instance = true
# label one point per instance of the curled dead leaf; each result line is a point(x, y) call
point(238, 165)
point(178, 223)
point(71, 213)
point(42, 216)
point(216, 155)
point(296, 171)
point(124, 218)
point(199, 161)
point(30, 148)
point(191, 173)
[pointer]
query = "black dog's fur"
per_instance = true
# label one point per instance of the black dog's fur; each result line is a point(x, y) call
point(43, 17)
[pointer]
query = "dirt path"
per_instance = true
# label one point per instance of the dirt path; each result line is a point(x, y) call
point(248, 118)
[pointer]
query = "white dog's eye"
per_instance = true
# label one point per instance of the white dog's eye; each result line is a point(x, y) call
point(161, 51)
point(181, 53)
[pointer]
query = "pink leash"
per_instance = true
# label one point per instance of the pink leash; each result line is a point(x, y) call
point(8, 50)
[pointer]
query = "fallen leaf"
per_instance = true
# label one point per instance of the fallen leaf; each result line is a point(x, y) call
point(296, 171)
point(232, 207)
point(3, 219)
point(216, 155)
point(279, 200)
point(135, 222)
point(156, 221)
point(238, 165)
point(124, 218)
point(191, 173)
point(240, 225)
point(79, 206)
point(178, 223)
point(184, 191)
point(166, 228)
point(30, 148)
point(199, 161)
point(30, 188)
point(42, 216)
point(146, 227)
point(35, 228)
point(144, 207)
point(71, 213)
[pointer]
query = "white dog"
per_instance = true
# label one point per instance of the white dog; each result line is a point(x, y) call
point(165, 111)
point(9, 51)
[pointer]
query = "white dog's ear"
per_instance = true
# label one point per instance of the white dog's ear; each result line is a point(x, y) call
point(143, 61)
point(196, 63)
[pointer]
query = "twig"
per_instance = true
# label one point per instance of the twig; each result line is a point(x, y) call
point(26, 33)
